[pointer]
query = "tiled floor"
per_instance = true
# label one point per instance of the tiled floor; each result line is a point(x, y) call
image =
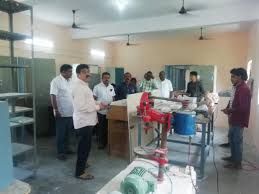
point(56, 177)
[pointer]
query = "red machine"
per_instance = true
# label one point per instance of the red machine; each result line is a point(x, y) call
point(148, 114)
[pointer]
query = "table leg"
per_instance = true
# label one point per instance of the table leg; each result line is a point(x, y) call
point(203, 146)
point(208, 133)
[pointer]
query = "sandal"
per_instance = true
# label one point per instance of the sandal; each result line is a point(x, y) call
point(85, 176)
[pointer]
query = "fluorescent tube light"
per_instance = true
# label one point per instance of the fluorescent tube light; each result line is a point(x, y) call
point(97, 53)
point(40, 42)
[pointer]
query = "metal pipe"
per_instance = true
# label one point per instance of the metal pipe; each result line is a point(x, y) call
point(11, 49)
point(33, 96)
point(167, 99)
point(161, 168)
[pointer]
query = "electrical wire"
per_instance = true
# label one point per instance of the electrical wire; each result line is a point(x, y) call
point(213, 147)
point(214, 163)
point(165, 171)
point(170, 181)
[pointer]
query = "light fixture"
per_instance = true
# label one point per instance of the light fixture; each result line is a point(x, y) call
point(40, 42)
point(121, 4)
point(97, 53)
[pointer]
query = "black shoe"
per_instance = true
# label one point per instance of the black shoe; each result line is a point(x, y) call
point(229, 159)
point(225, 145)
point(62, 157)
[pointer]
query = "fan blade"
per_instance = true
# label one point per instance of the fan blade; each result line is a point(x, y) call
point(205, 38)
point(132, 44)
point(80, 28)
point(74, 26)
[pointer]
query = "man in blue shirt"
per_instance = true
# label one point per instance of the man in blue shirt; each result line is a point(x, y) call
point(125, 88)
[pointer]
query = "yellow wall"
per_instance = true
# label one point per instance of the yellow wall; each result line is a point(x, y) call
point(226, 51)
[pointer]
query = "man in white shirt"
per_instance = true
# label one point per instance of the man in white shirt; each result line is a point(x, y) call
point(61, 100)
point(84, 117)
point(104, 93)
point(165, 86)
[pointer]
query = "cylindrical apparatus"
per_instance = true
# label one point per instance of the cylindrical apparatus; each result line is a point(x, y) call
point(184, 123)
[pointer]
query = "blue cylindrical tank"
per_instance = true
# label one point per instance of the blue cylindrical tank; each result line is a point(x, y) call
point(184, 123)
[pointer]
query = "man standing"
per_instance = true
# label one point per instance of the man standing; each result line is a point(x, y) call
point(148, 84)
point(194, 87)
point(238, 114)
point(125, 88)
point(104, 93)
point(165, 86)
point(84, 117)
point(231, 93)
point(61, 100)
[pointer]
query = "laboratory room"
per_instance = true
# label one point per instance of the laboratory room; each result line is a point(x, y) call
point(129, 97)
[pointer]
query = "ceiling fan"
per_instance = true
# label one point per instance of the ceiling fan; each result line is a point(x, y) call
point(185, 11)
point(128, 42)
point(74, 25)
point(202, 37)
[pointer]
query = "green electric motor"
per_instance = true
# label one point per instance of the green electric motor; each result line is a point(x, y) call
point(139, 181)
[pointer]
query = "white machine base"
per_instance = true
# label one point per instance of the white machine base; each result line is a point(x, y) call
point(182, 181)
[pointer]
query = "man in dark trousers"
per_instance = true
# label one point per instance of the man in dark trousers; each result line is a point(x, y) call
point(61, 100)
point(84, 117)
point(227, 145)
point(194, 87)
point(238, 114)
point(103, 92)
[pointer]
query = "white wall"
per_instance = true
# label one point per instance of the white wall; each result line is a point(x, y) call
point(253, 54)
point(225, 51)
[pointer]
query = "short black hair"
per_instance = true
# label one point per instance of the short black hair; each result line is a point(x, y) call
point(241, 72)
point(65, 67)
point(133, 79)
point(80, 67)
point(150, 72)
point(232, 70)
point(194, 73)
point(127, 73)
point(106, 73)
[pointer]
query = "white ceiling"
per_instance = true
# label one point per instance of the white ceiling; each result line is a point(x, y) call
point(104, 19)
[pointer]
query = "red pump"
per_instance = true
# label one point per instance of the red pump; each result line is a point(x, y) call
point(148, 114)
